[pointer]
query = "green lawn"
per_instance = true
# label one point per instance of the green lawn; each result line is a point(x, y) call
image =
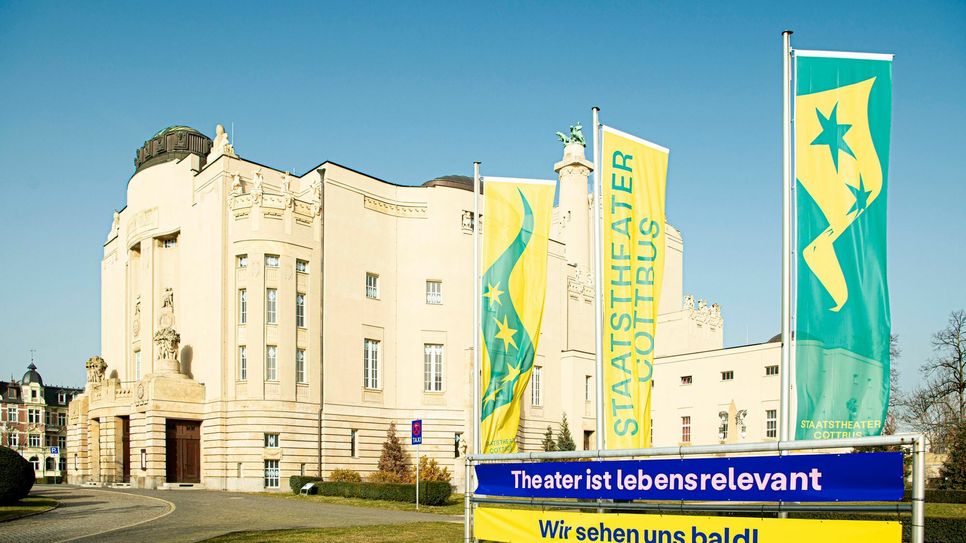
point(442, 532)
point(27, 506)
point(452, 507)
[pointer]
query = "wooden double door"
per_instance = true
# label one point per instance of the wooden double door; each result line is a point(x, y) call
point(183, 451)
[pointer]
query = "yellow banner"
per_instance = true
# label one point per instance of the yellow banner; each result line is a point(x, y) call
point(532, 526)
point(514, 286)
point(633, 175)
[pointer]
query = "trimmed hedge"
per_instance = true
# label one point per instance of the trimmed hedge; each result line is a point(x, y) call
point(16, 476)
point(940, 496)
point(296, 482)
point(430, 492)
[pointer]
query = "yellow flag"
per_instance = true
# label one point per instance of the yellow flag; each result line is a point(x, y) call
point(634, 175)
point(514, 286)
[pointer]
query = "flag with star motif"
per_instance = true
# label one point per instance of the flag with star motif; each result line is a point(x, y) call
point(514, 287)
point(843, 116)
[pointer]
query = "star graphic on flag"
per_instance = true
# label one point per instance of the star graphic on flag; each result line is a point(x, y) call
point(512, 374)
point(833, 135)
point(861, 197)
point(493, 293)
point(505, 333)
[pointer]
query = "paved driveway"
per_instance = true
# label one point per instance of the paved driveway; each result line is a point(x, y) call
point(176, 516)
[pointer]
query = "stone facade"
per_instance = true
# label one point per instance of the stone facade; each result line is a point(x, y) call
point(287, 320)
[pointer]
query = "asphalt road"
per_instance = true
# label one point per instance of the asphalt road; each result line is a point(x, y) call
point(88, 515)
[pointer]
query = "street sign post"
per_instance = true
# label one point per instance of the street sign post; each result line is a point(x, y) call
point(417, 440)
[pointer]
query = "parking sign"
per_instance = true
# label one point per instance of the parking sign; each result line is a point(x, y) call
point(417, 432)
point(55, 450)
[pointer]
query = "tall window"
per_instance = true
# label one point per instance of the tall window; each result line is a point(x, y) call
point(242, 363)
point(271, 261)
point(271, 306)
point(61, 397)
point(300, 310)
point(33, 440)
point(723, 427)
point(137, 365)
point(271, 441)
point(771, 423)
point(14, 439)
point(242, 306)
point(372, 285)
point(370, 367)
point(432, 367)
point(536, 387)
point(588, 388)
point(62, 442)
point(727, 375)
point(301, 266)
point(271, 474)
point(33, 416)
point(12, 414)
point(354, 443)
point(771, 370)
point(271, 363)
point(685, 429)
point(434, 292)
point(300, 366)
point(61, 419)
point(242, 261)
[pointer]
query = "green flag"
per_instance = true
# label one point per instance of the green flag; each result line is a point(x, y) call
point(843, 104)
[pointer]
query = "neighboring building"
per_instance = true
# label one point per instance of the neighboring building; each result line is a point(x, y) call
point(33, 422)
point(258, 325)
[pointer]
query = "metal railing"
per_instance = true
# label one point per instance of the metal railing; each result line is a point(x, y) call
point(916, 507)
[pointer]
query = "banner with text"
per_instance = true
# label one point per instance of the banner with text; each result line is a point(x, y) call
point(532, 526)
point(634, 175)
point(792, 478)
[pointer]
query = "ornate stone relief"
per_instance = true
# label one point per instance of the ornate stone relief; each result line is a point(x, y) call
point(703, 313)
point(395, 209)
point(95, 369)
point(166, 341)
point(136, 320)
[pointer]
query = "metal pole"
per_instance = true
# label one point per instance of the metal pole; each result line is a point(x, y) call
point(417, 477)
point(919, 490)
point(476, 309)
point(786, 308)
point(598, 286)
point(467, 503)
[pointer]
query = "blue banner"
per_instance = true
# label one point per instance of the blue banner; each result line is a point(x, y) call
point(792, 478)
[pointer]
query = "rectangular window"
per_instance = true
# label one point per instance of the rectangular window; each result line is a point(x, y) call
point(588, 388)
point(242, 261)
point(33, 440)
point(61, 419)
point(301, 266)
point(13, 393)
point(242, 363)
point(61, 397)
point(271, 261)
point(457, 441)
point(685, 429)
point(300, 310)
point(271, 363)
point(33, 394)
point(137, 365)
point(271, 441)
point(271, 306)
point(47, 417)
point(62, 465)
point(169, 243)
point(723, 427)
point(432, 367)
point(62, 443)
point(14, 440)
point(300, 366)
point(434, 292)
point(686, 380)
point(536, 386)
point(370, 368)
point(242, 306)
point(33, 416)
point(36, 463)
point(372, 285)
point(12, 414)
point(727, 375)
point(771, 423)
point(271, 474)
point(354, 443)
point(771, 370)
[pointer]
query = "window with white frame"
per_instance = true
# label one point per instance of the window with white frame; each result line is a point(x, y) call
point(35, 462)
point(271, 261)
point(588, 388)
point(61, 419)
point(723, 426)
point(686, 429)
point(271, 474)
point(771, 423)
point(370, 364)
point(271, 441)
point(33, 416)
point(61, 397)
point(434, 292)
point(137, 365)
point(14, 439)
point(271, 363)
point(62, 442)
point(536, 386)
point(12, 415)
point(300, 366)
point(33, 440)
point(242, 306)
point(300, 310)
point(242, 261)
point(771, 370)
point(372, 285)
point(301, 266)
point(432, 367)
point(242, 362)
point(354, 443)
point(727, 375)
point(271, 306)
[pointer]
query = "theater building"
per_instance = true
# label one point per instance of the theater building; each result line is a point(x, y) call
point(258, 324)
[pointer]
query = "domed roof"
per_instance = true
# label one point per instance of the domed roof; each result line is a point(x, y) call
point(172, 143)
point(464, 182)
point(32, 376)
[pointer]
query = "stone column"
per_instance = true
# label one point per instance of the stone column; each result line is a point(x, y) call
point(573, 205)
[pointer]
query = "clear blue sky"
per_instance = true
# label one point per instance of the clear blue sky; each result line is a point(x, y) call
point(411, 91)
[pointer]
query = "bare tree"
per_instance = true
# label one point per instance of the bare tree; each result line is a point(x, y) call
point(947, 372)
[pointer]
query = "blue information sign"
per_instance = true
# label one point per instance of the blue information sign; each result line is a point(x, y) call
point(54, 450)
point(797, 478)
point(417, 432)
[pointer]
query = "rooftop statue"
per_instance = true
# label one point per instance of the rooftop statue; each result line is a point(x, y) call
point(576, 136)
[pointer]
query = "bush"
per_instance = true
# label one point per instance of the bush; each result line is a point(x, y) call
point(952, 476)
point(429, 470)
point(345, 476)
point(16, 476)
point(296, 482)
point(430, 492)
point(940, 496)
point(393, 460)
point(388, 477)
point(565, 442)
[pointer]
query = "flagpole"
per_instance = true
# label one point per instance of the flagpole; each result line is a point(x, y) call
point(598, 285)
point(785, 423)
point(476, 309)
